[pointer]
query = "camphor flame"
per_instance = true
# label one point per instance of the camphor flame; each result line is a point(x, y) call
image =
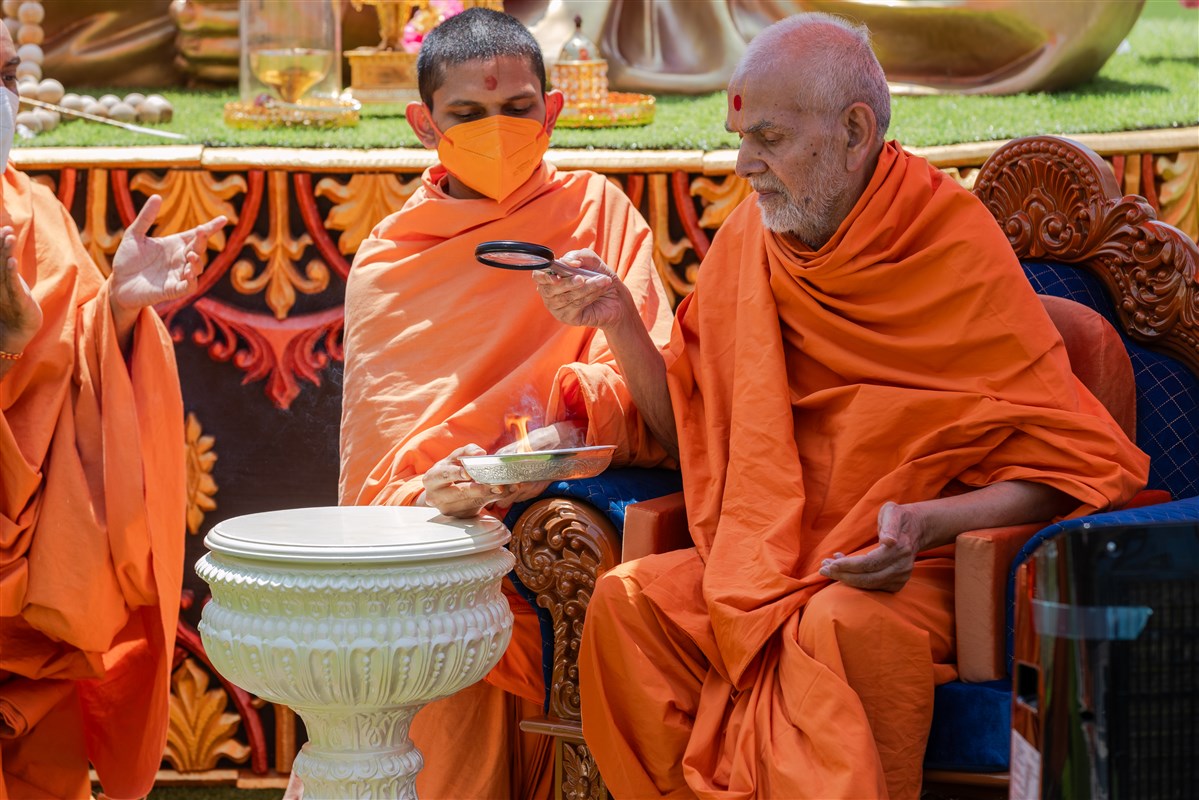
point(519, 423)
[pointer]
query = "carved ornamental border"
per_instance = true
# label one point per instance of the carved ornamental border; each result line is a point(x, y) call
point(1057, 199)
point(561, 548)
point(271, 297)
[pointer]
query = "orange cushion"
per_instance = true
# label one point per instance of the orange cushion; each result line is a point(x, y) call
point(1097, 357)
point(655, 526)
point(981, 562)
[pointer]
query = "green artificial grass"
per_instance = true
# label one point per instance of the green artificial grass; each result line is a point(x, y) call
point(1153, 84)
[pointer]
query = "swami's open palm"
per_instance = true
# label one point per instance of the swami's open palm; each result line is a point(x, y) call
point(20, 315)
point(574, 300)
point(148, 270)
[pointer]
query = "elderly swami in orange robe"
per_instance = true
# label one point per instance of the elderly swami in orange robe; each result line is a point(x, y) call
point(861, 374)
point(439, 349)
point(91, 491)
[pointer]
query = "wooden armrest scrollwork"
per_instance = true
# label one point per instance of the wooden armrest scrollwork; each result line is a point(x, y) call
point(1057, 199)
point(561, 547)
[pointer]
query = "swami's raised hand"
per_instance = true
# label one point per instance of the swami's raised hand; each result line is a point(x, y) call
point(20, 315)
point(148, 270)
point(594, 302)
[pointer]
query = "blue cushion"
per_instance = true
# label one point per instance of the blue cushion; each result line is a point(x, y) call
point(610, 493)
point(1167, 392)
point(971, 728)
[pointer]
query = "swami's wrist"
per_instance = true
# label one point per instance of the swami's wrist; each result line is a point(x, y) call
point(13, 347)
point(123, 317)
point(627, 324)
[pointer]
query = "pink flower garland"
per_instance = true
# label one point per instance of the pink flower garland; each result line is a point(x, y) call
point(419, 26)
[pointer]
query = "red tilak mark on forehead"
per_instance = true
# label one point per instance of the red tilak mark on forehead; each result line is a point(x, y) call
point(490, 82)
point(736, 102)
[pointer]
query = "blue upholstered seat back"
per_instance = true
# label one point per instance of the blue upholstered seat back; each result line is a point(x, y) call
point(972, 722)
point(610, 492)
point(1167, 392)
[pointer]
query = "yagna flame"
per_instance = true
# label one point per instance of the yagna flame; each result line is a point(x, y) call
point(519, 423)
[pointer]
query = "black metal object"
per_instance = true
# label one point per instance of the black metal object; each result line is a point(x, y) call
point(1114, 683)
point(506, 254)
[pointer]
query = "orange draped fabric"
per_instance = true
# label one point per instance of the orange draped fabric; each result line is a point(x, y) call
point(91, 525)
point(439, 348)
point(907, 359)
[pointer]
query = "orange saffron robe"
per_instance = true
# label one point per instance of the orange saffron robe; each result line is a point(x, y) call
point(439, 348)
point(92, 504)
point(908, 358)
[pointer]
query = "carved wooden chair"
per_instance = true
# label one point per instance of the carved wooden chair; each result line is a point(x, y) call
point(1078, 239)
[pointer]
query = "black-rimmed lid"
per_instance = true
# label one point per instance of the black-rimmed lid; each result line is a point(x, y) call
point(506, 254)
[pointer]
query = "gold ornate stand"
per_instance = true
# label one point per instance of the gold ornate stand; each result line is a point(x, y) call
point(382, 76)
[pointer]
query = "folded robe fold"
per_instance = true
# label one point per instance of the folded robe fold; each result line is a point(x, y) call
point(92, 504)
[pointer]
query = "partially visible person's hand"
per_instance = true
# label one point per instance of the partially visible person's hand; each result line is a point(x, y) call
point(520, 492)
point(148, 270)
point(20, 315)
point(555, 436)
point(452, 492)
point(888, 566)
point(295, 788)
point(596, 302)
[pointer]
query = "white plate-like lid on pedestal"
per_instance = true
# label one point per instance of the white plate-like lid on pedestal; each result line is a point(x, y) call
point(363, 534)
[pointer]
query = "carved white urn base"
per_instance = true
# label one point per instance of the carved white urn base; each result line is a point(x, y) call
point(355, 617)
point(386, 771)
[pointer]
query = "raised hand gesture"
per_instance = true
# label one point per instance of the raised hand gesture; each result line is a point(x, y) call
point(20, 315)
point(595, 302)
point(148, 270)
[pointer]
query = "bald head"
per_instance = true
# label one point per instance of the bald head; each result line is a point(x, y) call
point(811, 107)
point(827, 59)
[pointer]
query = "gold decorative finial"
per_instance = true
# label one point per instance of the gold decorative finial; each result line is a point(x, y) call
point(393, 15)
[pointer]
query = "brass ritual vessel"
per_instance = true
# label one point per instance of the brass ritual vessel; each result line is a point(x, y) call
point(386, 73)
point(581, 74)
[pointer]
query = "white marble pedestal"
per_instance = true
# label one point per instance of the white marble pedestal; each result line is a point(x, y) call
point(355, 617)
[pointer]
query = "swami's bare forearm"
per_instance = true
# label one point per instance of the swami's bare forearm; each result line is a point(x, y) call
point(994, 506)
point(644, 371)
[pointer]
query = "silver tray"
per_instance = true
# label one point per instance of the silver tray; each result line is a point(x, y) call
point(540, 465)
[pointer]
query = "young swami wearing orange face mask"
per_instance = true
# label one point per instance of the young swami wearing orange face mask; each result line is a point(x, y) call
point(491, 124)
point(493, 155)
point(439, 348)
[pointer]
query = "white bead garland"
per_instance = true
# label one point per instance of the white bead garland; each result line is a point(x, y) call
point(24, 20)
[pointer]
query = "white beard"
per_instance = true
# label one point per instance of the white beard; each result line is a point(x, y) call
point(813, 224)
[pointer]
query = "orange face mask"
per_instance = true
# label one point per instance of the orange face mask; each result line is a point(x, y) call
point(494, 155)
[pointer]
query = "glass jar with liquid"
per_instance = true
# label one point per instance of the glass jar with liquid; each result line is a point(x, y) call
point(290, 65)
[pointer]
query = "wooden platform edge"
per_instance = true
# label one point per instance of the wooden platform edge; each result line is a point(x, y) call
point(1163, 140)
